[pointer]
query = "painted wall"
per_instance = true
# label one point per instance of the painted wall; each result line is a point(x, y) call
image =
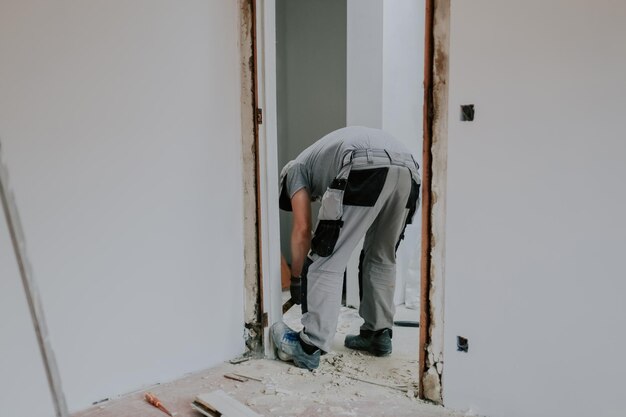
point(403, 98)
point(385, 90)
point(403, 71)
point(311, 79)
point(365, 63)
point(535, 226)
point(121, 126)
point(385, 60)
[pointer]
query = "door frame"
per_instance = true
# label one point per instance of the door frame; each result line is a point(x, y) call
point(435, 155)
point(437, 30)
point(263, 295)
point(269, 230)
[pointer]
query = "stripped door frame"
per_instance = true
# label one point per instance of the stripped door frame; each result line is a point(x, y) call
point(264, 150)
point(260, 166)
point(435, 154)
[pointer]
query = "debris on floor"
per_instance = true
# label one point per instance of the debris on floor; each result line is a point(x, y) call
point(347, 383)
point(239, 360)
point(236, 377)
point(154, 401)
point(218, 403)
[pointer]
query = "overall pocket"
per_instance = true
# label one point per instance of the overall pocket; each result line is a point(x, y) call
point(325, 237)
point(332, 201)
point(329, 219)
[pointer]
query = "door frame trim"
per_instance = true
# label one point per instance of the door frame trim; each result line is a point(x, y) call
point(267, 154)
point(435, 154)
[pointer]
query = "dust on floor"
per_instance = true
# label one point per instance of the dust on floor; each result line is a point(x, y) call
point(347, 383)
point(399, 369)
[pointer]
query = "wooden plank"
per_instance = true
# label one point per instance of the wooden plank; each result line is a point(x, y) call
point(218, 403)
point(235, 377)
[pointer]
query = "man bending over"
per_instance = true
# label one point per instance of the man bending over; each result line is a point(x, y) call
point(369, 186)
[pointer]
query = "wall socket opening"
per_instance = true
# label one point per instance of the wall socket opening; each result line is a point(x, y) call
point(462, 345)
point(467, 112)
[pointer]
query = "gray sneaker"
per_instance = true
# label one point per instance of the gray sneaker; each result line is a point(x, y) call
point(289, 348)
point(378, 342)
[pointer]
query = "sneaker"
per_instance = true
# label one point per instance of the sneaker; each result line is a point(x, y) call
point(378, 342)
point(289, 348)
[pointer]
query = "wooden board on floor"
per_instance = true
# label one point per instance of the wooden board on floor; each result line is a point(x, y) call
point(218, 403)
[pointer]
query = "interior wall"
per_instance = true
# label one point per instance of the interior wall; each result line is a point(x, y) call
point(365, 63)
point(120, 122)
point(403, 71)
point(535, 223)
point(402, 106)
point(385, 90)
point(311, 79)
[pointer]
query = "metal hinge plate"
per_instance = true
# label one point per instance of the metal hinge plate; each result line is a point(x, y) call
point(264, 320)
point(259, 116)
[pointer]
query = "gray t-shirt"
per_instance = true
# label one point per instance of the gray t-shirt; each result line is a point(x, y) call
point(316, 166)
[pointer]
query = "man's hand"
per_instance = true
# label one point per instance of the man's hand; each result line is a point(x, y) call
point(295, 289)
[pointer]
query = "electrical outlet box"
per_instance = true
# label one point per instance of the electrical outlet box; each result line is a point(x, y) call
point(467, 112)
point(462, 344)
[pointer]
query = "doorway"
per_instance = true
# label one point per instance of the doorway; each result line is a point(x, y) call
point(341, 63)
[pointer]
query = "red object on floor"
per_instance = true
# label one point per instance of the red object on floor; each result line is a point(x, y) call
point(153, 400)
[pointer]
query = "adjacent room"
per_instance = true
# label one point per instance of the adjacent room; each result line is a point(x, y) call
point(354, 63)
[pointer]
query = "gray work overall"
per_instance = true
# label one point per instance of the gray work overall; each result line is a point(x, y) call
point(374, 195)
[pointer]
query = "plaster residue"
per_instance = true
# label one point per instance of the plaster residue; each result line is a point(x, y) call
point(279, 389)
point(432, 377)
point(251, 267)
point(434, 361)
point(347, 383)
point(398, 371)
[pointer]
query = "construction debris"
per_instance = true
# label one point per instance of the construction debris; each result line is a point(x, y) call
point(269, 389)
point(347, 383)
point(223, 404)
point(247, 377)
point(236, 377)
point(240, 359)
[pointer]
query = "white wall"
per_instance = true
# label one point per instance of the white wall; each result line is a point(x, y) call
point(385, 65)
point(385, 90)
point(535, 225)
point(311, 79)
point(403, 71)
point(402, 106)
point(365, 63)
point(121, 125)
